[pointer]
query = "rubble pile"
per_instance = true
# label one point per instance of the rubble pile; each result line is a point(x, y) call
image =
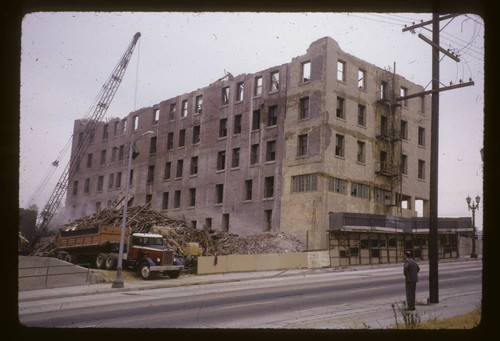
point(179, 233)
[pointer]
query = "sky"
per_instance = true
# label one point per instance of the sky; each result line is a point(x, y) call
point(66, 57)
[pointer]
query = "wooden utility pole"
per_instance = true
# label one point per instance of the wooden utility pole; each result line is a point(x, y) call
point(433, 191)
point(433, 200)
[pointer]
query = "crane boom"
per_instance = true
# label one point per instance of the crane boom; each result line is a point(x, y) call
point(97, 112)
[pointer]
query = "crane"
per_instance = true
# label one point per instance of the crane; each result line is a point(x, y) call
point(94, 116)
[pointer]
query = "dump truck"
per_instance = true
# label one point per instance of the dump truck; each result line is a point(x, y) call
point(99, 246)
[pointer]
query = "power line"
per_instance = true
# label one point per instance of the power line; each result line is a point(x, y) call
point(366, 18)
point(405, 18)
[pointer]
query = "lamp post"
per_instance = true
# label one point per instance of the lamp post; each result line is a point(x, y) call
point(473, 207)
point(118, 282)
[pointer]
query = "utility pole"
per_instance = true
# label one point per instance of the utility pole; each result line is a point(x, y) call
point(433, 191)
point(433, 200)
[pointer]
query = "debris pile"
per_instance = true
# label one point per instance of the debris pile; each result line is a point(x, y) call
point(179, 234)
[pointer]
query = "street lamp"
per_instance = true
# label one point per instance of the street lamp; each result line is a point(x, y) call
point(118, 282)
point(473, 207)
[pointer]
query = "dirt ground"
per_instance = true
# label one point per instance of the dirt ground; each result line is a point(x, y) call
point(108, 276)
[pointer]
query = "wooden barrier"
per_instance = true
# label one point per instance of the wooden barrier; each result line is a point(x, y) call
point(262, 262)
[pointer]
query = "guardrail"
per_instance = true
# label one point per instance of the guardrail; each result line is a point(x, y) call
point(47, 274)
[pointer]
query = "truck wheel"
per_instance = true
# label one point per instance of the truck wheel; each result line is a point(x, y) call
point(60, 256)
point(173, 273)
point(69, 258)
point(100, 260)
point(145, 271)
point(111, 261)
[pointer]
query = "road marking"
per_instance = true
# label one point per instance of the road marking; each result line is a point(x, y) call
point(376, 288)
point(246, 305)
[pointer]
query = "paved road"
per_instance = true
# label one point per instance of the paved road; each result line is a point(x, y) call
point(356, 299)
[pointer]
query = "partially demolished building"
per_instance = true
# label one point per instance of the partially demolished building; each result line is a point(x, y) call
point(281, 149)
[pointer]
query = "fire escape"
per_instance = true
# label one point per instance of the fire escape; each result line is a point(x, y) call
point(388, 137)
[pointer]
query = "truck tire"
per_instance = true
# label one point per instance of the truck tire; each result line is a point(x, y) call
point(145, 271)
point(100, 260)
point(111, 261)
point(173, 273)
point(69, 258)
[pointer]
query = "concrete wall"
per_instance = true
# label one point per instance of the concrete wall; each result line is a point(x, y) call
point(60, 273)
point(262, 262)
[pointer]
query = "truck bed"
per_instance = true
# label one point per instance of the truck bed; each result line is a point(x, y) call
point(90, 237)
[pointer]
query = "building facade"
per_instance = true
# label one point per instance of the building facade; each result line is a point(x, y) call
point(276, 150)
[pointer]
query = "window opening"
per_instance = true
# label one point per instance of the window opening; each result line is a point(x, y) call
point(275, 81)
point(196, 134)
point(361, 79)
point(421, 169)
point(182, 138)
point(271, 151)
point(361, 152)
point(304, 183)
point(171, 115)
point(304, 108)
point(256, 120)
point(306, 71)
point(337, 185)
point(168, 167)
point(254, 154)
point(156, 116)
point(225, 95)
point(151, 173)
point(198, 104)
point(340, 107)
point(100, 183)
point(258, 86)
point(339, 145)
point(361, 115)
point(180, 165)
point(221, 160)
point(135, 122)
point(194, 165)
point(302, 145)
point(341, 71)
point(219, 193)
point(248, 189)
point(177, 199)
point(235, 162)
point(272, 116)
point(170, 141)
point(152, 145)
point(421, 136)
point(192, 197)
point(223, 127)
point(237, 124)
point(269, 187)
point(184, 108)
point(239, 92)
point(164, 203)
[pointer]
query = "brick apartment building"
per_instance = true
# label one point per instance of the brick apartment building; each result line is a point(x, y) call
point(277, 150)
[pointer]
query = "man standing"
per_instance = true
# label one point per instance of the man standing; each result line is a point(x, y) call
point(410, 271)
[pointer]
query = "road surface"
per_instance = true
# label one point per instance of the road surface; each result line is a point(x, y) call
point(332, 300)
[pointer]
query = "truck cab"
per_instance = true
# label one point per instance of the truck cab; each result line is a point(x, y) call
point(148, 253)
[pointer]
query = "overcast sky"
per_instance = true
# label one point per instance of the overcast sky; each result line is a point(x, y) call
point(66, 57)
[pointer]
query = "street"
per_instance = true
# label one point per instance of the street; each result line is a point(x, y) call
point(351, 299)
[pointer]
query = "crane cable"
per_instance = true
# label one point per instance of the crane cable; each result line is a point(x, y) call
point(137, 74)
